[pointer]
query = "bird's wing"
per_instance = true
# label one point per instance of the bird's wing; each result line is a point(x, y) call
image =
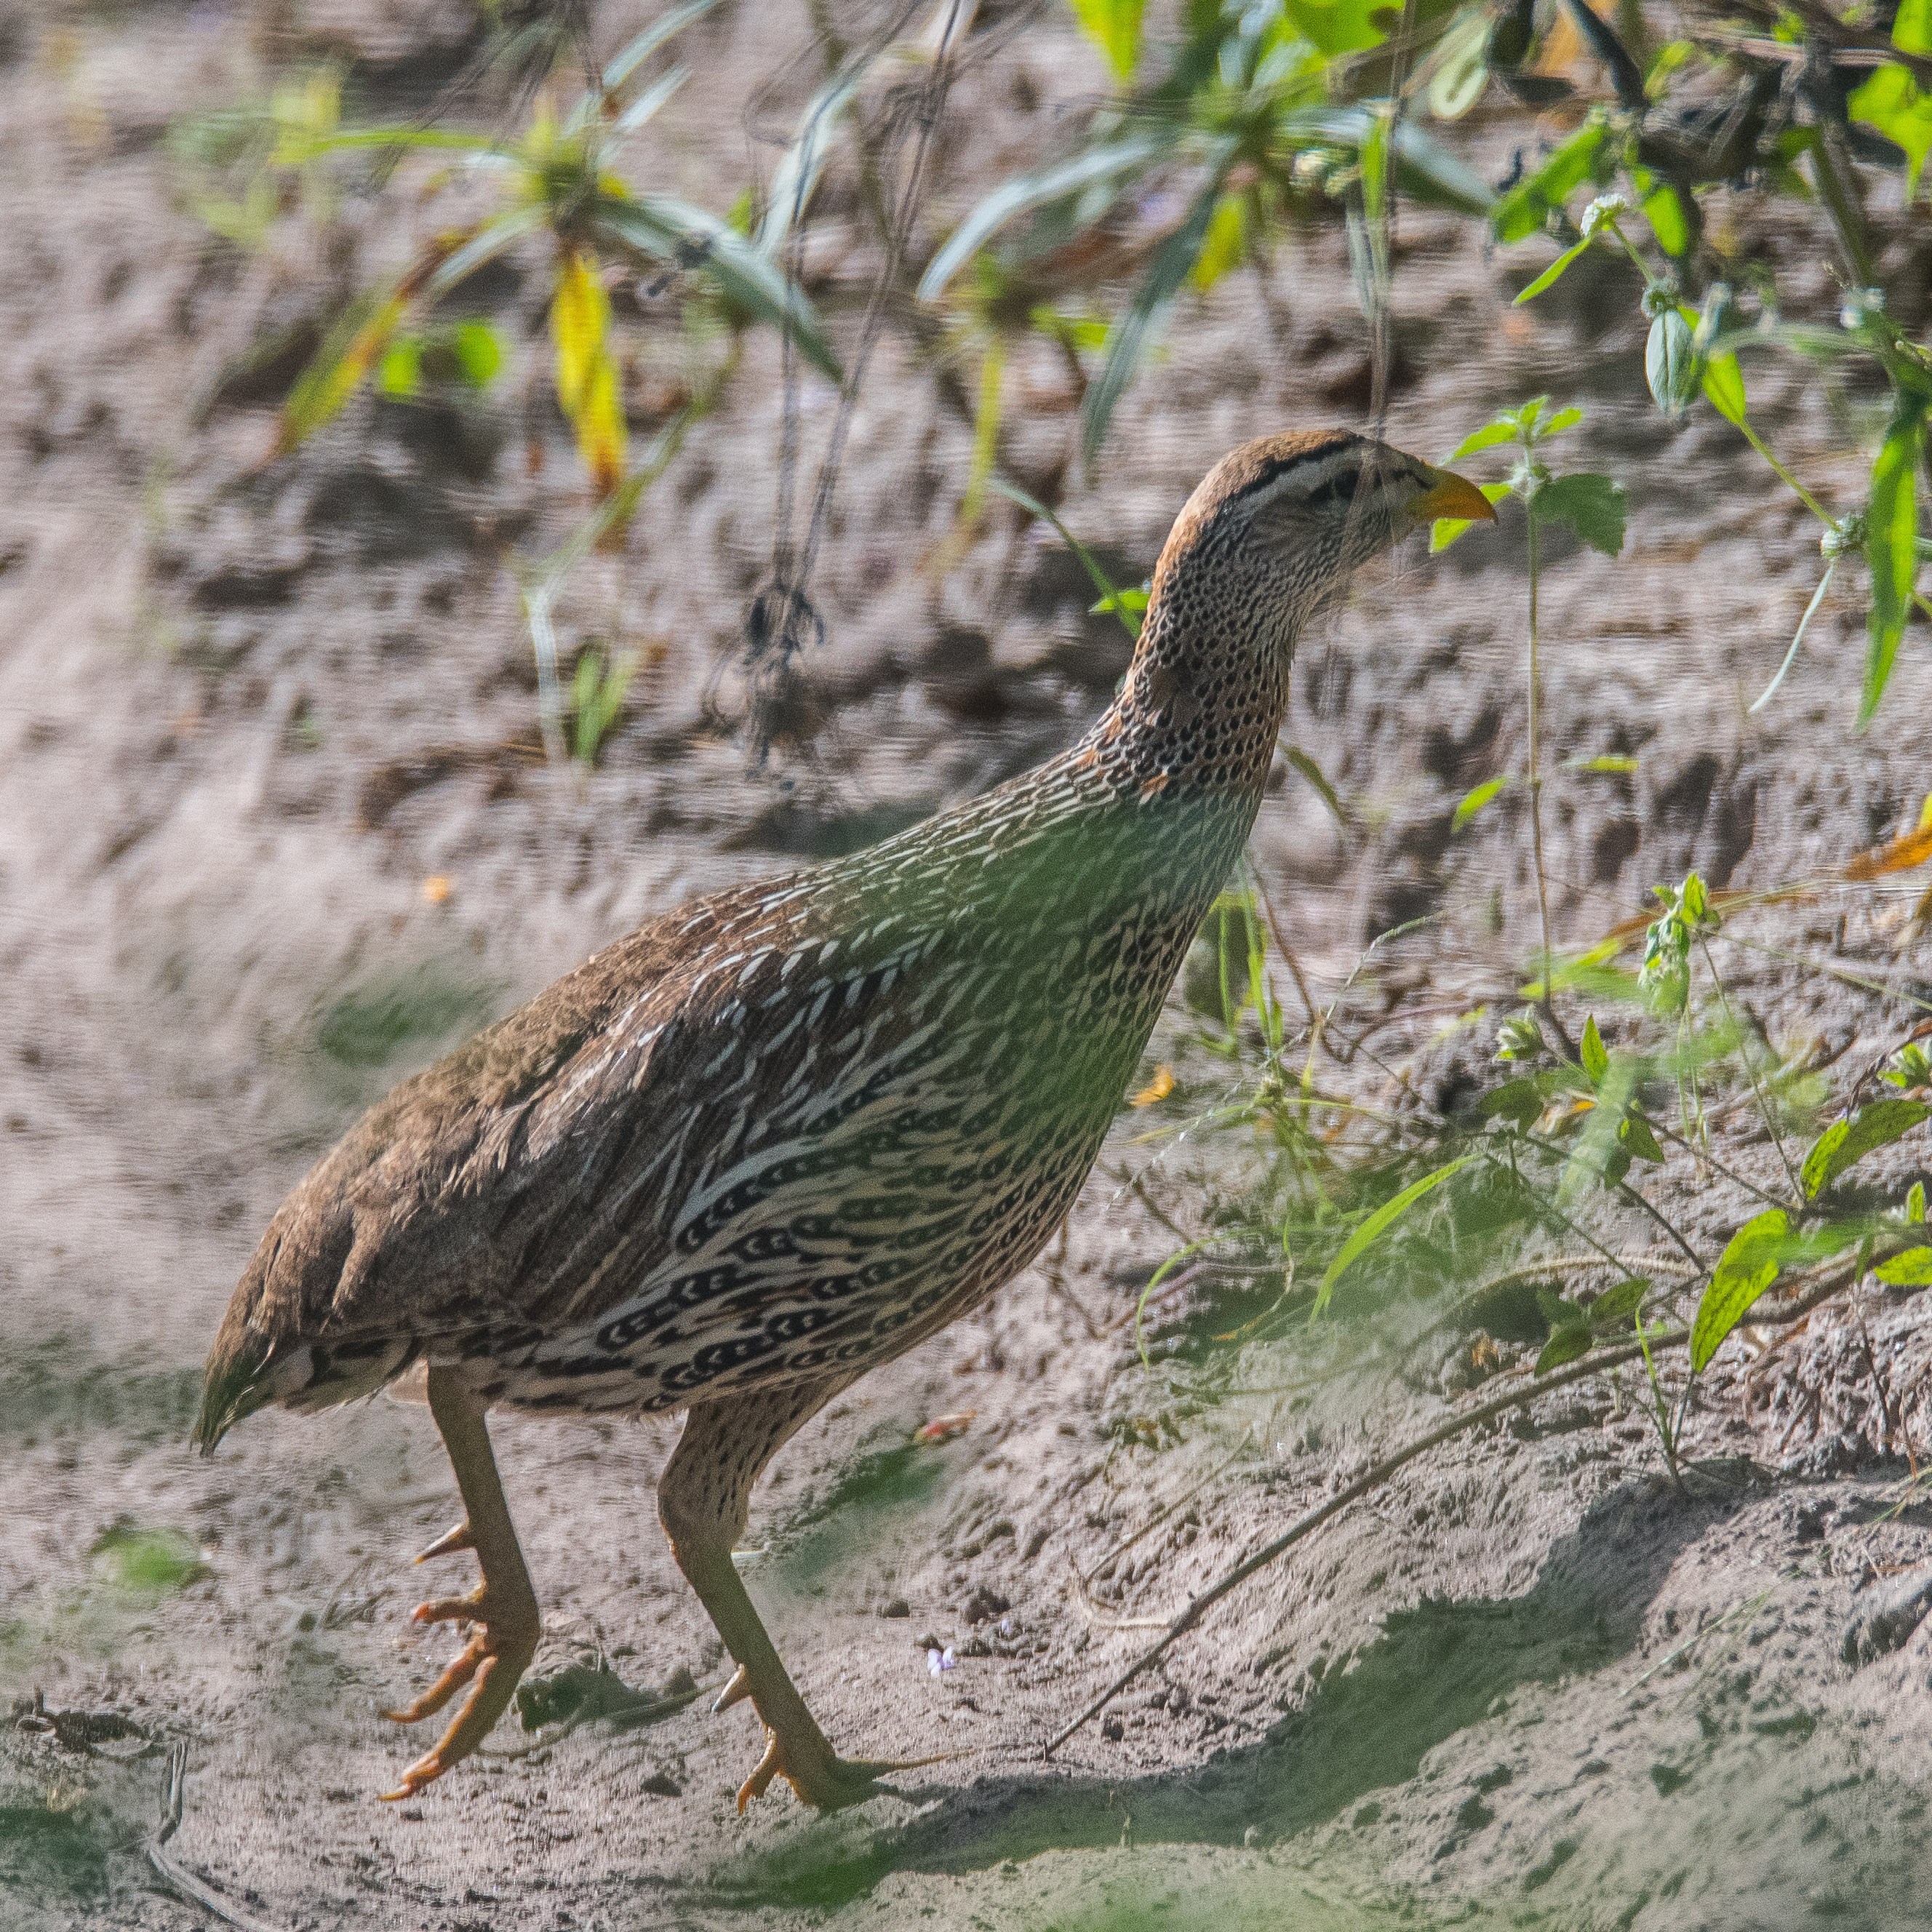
point(481, 1191)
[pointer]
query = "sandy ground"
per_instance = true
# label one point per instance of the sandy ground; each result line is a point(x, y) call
point(246, 712)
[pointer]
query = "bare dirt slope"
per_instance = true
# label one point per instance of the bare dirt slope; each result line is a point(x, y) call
point(246, 711)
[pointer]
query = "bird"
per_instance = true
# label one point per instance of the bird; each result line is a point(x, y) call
point(782, 1134)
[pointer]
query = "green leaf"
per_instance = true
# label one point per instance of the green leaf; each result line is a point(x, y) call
point(1135, 600)
point(1912, 1269)
point(1138, 326)
point(1372, 1229)
point(1846, 1142)
point(1551, 275)
point(800, 167)
point(1445, 530)
point(1110, 598)
point(1914, 1203)
point(1593, 506)
point(1565, 1345)
point(1637, 1133)
point(691, 237)
point(1226, 243)
point(1519, 214)
point(1556, 1311)
point(1337, 26)
point(1723, 383)
point(1473, 802)
point(1519, 1101)
point(1618, 1302)
point(1747, 1267)
point(401, 373)
point(357, 342)
point(1503, 430)
point(1113, 26)
point(478, 347)
point(1425, 170)
point(636, 51)
point(1892, 550)
point(1611, 761)
point(1596, 1060)
point(1894, 104)
point(1097, 167)
point(1668, 222)
point(1562, 420)
point(485, 245)
point(1670, 363)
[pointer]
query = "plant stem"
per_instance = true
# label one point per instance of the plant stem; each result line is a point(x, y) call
point(1770, 1125)
point(1536, 786)
point(1810, 503)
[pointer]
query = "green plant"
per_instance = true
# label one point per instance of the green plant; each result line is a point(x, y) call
point(1260, 110)
point(1691, 353)
point(1593, 507)
point(597, 694)
point(557, 177)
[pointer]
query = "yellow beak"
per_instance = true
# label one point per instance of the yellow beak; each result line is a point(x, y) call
point(1453, 496)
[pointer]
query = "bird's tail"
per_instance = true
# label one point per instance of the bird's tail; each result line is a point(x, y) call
point(233, 1384)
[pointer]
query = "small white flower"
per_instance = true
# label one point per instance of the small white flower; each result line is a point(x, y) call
point(937, 1661)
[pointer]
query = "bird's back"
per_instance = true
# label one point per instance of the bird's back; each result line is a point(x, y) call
point(787, 1129)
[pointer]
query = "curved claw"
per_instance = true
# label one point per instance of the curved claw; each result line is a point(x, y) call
point(498, 1653)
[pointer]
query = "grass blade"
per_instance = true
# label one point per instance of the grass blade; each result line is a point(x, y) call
point(1377, 1224)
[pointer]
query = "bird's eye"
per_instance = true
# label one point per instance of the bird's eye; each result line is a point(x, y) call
point(1338, 491)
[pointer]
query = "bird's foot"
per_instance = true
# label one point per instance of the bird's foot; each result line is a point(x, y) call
point(819, 1775)
point(502, 1643)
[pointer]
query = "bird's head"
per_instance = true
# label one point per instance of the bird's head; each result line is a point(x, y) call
point(1276, 527)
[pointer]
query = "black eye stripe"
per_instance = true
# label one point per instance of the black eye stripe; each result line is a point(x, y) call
point(1339, 491)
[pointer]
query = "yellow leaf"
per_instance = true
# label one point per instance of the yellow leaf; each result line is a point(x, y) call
point(586, 375)
point(1899, 856)
point(1158, 1088)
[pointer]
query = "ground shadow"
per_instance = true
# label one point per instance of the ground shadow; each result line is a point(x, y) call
point(1431, 1672)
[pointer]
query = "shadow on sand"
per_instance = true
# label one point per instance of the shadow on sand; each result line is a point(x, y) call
point(1431, 1672)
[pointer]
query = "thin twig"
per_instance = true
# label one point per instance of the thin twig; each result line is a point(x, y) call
point(1771, 1126)
point(1833, 1278)
point(173, 1797)
point(1166, 1510)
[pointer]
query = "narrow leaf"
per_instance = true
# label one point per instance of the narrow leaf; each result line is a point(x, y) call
point(1138, 327)
point(797, 172)
point(1596, 1059)
point(1846, 1142)
point(1551, 275)
point(1313, 773)
point(586, 373)
point(1747, 1266)
point(1896, 855)
point(1377, 1223)
point(1912, 1269)
point(1892, 550)
point(1472, 801)
point(1095, 167)
point(692, 238)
